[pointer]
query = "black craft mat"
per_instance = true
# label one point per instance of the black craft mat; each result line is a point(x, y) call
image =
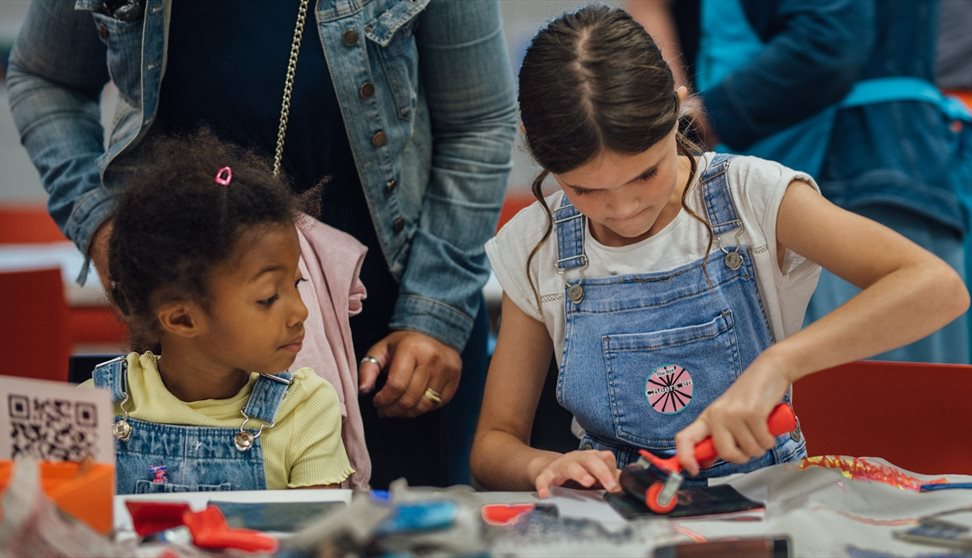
point(703, 500)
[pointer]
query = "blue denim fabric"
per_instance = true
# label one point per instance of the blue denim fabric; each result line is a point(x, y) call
point(197, 459)
point(435, 187)
point(626, 335)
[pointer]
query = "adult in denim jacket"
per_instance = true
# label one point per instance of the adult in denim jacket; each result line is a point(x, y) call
point(888, 161)
point(423, 89)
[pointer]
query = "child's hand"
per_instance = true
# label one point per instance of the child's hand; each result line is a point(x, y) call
point(737, 419)
point(587, 468)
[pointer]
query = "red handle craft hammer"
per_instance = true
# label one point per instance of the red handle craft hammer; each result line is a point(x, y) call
point(657, 480)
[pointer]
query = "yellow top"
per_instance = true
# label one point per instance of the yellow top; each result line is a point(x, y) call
point(303, 449)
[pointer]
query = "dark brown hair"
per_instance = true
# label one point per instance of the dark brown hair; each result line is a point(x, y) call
point(593, 80)
point(174, 224)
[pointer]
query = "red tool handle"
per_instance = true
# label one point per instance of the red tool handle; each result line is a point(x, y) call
point(780, 421)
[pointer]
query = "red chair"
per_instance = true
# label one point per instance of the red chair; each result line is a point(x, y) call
point(27, 224)
point(34, 337)
point(91, 325)
point(916, 415)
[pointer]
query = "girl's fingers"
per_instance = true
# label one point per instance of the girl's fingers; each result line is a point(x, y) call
point(603, 466)
point(587, 468)
point(759, 428)
point(725, 444)
point(685, 442)
point(543, 483)
point(745, 440)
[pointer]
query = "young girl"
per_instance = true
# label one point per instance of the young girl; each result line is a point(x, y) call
point(670, 286)
point(204, 266)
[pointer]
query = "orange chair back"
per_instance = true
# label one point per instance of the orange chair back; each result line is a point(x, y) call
point(916, 415)
point(34, 338)
point(29, 224)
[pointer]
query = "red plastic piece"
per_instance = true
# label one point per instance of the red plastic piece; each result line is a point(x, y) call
point(149, 518)
point(651, 499)
point(503, 514)
point(210, 531)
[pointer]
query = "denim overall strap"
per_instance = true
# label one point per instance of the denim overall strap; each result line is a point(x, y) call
point(182, 458)
point(161, 457)
point(267, 394)
point(719, 207)
point(113, 376)
point(569, 224)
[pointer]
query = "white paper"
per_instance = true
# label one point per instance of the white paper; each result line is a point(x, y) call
point(54, 421)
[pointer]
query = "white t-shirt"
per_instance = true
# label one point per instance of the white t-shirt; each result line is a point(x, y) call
point(757, 188)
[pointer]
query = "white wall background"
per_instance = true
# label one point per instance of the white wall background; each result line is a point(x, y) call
point(18, 179)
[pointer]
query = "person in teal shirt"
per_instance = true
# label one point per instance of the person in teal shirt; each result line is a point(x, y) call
point(782, 79)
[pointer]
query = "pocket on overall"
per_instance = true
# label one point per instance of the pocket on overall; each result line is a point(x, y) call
point(659, 382)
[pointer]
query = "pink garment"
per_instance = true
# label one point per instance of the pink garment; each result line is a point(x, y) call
point(331, 260)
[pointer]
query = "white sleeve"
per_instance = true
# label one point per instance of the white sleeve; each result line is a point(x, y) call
point(763, 184)
point(508, 252)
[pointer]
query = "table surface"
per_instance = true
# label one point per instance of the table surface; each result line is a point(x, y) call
point(823, 512)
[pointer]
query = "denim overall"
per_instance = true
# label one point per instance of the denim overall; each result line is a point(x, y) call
point(195, 458)
point(645, 354)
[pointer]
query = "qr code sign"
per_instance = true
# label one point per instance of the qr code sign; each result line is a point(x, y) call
point(54, 421)
point(52, 429)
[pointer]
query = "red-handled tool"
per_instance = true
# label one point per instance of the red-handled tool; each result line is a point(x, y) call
point(657, 480)
point(211, 532)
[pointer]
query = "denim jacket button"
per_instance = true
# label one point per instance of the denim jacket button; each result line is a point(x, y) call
point(391, 184)
point(367, 90)
point(379, 139)
point(349, 37)
point(102, 31)
point(398, 225)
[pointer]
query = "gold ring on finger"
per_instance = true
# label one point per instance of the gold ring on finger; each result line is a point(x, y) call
point(433, 396)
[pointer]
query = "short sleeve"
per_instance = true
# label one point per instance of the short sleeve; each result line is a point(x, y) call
point(508, 252)
point(317, 453)
point(763, 184)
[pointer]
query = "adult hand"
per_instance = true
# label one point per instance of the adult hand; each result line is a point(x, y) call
point(737, 419)
point(99, 252)
point(419, 368)
point(588, 468)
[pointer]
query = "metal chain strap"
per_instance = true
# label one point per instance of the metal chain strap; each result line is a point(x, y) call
point(289, 87)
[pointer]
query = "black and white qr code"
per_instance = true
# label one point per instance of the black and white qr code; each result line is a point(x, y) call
point(52, 429)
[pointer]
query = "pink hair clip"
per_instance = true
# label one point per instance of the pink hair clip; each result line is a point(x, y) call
point(224, 176)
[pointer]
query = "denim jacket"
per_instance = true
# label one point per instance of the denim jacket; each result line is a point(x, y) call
point(432, 145)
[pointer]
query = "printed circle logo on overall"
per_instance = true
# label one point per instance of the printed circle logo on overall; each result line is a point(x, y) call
point(669, 389)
